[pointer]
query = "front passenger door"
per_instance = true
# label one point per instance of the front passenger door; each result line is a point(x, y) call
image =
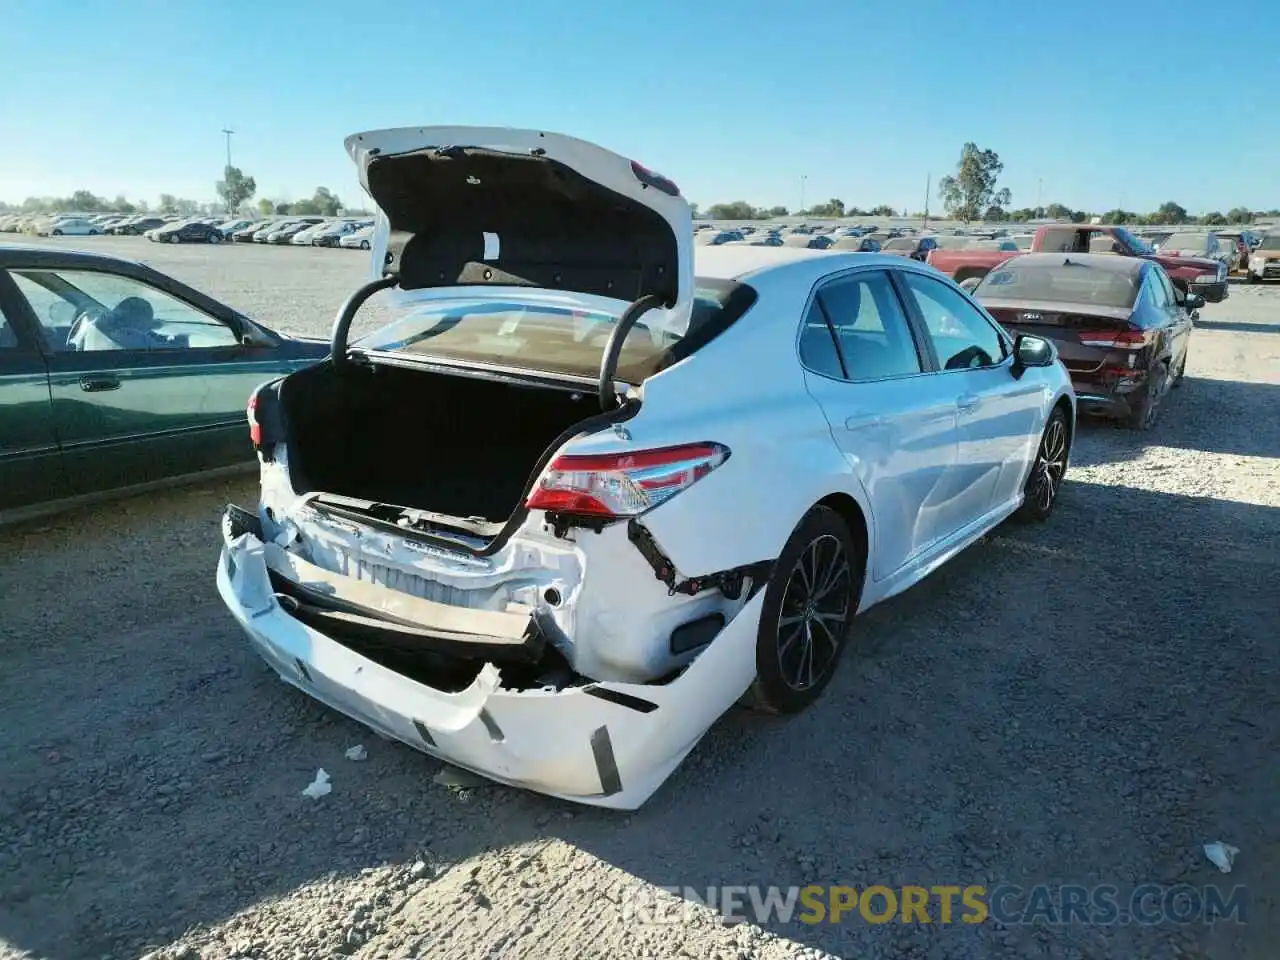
point(997, 413)
point(891, 418)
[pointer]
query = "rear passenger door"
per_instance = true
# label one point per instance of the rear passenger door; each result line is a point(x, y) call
point(997, 413)
point(893, 421)
point(30, 462)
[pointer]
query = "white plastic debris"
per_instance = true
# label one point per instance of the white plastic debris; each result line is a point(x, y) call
point(1221, 855)
point(319, 787)
point(358, 752)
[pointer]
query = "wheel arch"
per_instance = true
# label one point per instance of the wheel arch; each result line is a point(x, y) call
point(851, 513)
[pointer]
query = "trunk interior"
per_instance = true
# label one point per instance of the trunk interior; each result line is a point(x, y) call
point(455, 445)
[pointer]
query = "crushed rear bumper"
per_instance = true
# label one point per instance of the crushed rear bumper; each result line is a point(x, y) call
point(606, 744)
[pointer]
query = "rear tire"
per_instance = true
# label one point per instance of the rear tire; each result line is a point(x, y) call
point(56, 233)
point(364, 244)
point(1145, 407)
point(809, 603)
point(1253, 277)
point(1182, 369)
point(1044, 483)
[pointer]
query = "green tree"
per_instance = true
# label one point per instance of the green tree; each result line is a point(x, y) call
point(1117, 217)
point(1214, 219)
point(1239, 215)
point(282, 209)
point(778, 212)
point(1169, 212)
point(973, 187)
point(994, 214)
point(737, 210)
point(884, 210)
point(121, 205)
point(693, 210)
point(265, 207)
point(1058, 211)
point(168, 203)
point(832, 208)
point(84, 200)
point(235, 188)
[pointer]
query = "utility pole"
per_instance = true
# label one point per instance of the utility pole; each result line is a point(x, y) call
point(1039, 195)
point(227, 132)
point(803, 177)
point(928, 185)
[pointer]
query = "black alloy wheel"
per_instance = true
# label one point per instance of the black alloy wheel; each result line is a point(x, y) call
point(1044, 483)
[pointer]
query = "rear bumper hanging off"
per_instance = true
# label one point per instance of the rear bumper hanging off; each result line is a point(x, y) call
point(606, 744)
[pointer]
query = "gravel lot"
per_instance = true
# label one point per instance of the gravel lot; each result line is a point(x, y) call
point(1087, 701)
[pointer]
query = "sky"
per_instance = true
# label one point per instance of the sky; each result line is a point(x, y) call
point(1094, 105)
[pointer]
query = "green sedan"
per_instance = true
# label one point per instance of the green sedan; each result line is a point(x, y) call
point(116, 378)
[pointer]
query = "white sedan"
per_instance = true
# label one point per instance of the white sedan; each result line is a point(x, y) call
point(358, 239)
point(72, 227)
point(584, 493)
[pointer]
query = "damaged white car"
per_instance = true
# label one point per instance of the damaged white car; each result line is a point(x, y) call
point(578, 498)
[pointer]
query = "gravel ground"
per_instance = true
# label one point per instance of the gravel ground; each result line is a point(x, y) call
point(1087, 701)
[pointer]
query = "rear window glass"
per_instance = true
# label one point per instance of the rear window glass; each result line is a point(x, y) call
point(1068, 283)
point(556, 339)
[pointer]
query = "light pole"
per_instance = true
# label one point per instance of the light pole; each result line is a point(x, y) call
point(803, 179)
point(227, 132)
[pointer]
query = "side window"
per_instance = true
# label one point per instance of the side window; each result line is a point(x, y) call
point(870, 327)
point(87, 310)
point(1171, 298)
point(8, 337)
point(962, 337)
point(818, 346)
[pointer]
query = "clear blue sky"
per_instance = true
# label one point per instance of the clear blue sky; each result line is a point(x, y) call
point(1105, 102)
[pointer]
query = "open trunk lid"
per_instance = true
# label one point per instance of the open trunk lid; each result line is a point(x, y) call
point(493, 206)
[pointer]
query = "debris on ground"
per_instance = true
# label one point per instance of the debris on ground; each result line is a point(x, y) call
point(358, 752)
point(1221, 855)
point(449, 776)
point(318, 787)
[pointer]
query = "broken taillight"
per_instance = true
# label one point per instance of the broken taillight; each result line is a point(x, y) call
point(622, 484)
point(1114, 339)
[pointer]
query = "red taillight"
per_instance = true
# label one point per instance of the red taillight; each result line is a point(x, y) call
point(1114, 339)
point(255, 428)
point(622, 484)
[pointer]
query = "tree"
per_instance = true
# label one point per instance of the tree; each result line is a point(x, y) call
point(84, 200)
point(168, 203)
point(994, 214)
point(1058, 211)
point(121, 205)
point(1169, 212)
point(1214, 219)
point(1239, 215)
point(265, 207)
point(693, 210)
point(778, 212)
point(324, 203)
point(973, 187)
point(832, 208)
point(282, 208)
point(1118, 216)
point(737, 210)
point(884, 210)
point(235, 188)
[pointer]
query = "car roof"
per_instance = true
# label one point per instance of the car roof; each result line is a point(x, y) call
point(35, 255)
point(1128, 266)
point(798, 263)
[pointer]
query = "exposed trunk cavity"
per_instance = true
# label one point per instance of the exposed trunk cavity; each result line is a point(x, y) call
point(449, 444)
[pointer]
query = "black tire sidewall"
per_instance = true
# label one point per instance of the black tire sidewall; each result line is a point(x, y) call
point(1030, 509)
point(770, 692)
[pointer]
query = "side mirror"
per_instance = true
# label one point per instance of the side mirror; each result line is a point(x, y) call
point(1029, 351)
point(1193, 301)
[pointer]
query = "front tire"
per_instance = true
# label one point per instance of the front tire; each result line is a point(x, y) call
point(809, 603)
point(1044, 483)
point(56, 233)
point(364, 244)
point(215, 237)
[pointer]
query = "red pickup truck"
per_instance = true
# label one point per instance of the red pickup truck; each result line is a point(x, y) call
point(1200, 275)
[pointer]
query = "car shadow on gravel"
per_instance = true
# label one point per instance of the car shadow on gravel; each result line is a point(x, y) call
point(1237, 326)
point(1233, 417)
point(1040, 710)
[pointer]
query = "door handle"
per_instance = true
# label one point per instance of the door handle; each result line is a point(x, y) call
point(968, 402)
point(861, 421)
point(99, 384)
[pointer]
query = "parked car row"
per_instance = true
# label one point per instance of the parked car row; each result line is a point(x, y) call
point(350, 232)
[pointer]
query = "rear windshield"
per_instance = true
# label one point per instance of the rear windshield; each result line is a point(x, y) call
point(553, 339)
point(1068, 283)
point(1188, 241)
point(1270, 243)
